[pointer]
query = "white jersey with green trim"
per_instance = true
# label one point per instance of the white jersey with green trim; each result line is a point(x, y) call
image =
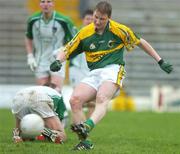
point(47, 36)
point(30, 95)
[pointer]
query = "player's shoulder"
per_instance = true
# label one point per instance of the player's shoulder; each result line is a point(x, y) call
point(114, 24)
point(62, 17)
point(35, 16)
point(87, 31)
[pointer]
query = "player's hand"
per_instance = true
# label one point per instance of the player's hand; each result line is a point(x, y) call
point(31, 62)
point(17, 139)
point(55, 66)
point(16, 136)
point(52, 135)
point(165, 66)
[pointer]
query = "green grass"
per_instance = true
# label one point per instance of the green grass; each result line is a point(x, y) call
point(117, 133)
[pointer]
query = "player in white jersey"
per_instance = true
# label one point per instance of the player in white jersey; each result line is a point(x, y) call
point(47, 31)
point(47, 103)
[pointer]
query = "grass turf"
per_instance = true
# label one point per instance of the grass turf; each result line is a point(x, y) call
point(117, 133)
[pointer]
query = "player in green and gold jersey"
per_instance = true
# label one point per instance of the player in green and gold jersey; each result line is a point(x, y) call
point(104, 42)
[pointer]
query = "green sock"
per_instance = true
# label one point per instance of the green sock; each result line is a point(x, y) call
point(87, 142)
point(90, 124)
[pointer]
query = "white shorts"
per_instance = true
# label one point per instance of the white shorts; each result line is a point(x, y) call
point(28, 102)
point(76, 74)
point(44, 71)
point(114, 73)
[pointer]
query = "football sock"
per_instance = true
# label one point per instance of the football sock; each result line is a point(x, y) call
point(89, 124)
point(89, 142)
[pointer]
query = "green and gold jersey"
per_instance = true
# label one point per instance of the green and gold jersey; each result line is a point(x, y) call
point(105, 49)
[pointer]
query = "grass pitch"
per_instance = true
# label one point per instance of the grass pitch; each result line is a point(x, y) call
point(117, 133)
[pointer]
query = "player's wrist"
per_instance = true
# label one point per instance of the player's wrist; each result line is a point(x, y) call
point(161, 61)
point(30, 55)
point(57, 60)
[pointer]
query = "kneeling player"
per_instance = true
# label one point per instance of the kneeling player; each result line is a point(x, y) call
point(45, 102)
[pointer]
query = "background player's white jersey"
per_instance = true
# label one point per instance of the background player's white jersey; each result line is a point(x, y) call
point(47, 37)
point(39, 93)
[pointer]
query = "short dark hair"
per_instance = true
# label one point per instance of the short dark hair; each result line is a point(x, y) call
point(104, 7)
point(87, 12)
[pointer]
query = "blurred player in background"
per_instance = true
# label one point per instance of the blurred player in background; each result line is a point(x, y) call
point(78, 65)
point(103, 42)
point(46, 31)
point(87, 17)
point(47, 103)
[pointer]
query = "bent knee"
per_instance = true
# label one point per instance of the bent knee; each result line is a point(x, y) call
point(75, 103)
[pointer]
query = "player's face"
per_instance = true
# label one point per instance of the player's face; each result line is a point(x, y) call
point(46, 5)
point(87, 19)
point(100, 20)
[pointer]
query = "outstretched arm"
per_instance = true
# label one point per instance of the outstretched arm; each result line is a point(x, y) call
point(151, 51)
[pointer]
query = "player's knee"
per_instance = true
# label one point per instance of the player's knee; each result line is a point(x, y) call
point(75, 103)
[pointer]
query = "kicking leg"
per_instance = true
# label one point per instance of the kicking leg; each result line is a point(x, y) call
point(104, 95)
point(81, 94)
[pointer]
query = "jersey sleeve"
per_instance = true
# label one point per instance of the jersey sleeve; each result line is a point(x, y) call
point(30, 22)
point(69, 27)
point(130, 39)
point(59, 106)
point(29, 33)
point(73, 48)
